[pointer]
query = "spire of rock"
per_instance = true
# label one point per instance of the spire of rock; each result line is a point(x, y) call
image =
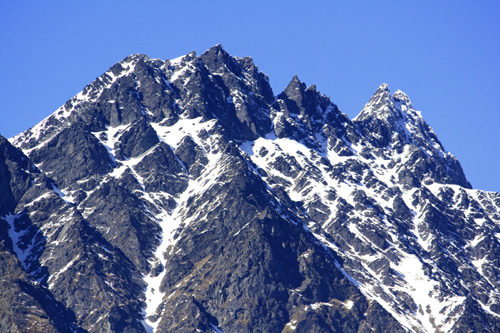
point(380, 98)
point(306, 115)
point(390, 115)
point(402, 98)
point(389, 122)
point(219, 61)
point(293, 95)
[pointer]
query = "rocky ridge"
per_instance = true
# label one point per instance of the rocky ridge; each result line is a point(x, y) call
point(183, 195)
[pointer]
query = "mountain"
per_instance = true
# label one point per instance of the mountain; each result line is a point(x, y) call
point(184, 195)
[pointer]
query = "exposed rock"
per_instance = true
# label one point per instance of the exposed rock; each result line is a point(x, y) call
point(182, 195)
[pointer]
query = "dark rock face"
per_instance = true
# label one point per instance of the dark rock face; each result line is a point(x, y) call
point(183, 195)
point(72, 155)
point(302, 113)
point(162, 171)
point(192, 156)
point(246, 107)
point(25, 305)
point(136, 140)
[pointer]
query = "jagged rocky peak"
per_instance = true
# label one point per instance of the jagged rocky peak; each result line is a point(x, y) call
point(302, 113)
point(380, 98)
point(301, 101)
point(157, 199)
point(127, 64)
point(246, 93)
point(390, 123)
point(214, 85)
point(189, 57)
point(219, 61)
point(402, 98)
point(391, 119)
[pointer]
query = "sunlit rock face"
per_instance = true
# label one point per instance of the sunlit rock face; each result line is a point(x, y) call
point(184, 195)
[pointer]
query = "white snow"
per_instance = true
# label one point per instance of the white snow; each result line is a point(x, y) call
point(112, 136)
point(476, 240)
point(176, 61)
point(433, 311)
point(479, 264)
point(424, 292)
point(292, 325)
point(173, 135)
point(63, 195)
point(238, 232)
point(15, 235)
point(180, 71)
point(348, 304)
point(169, 223)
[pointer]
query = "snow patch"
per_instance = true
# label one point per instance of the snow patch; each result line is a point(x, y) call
point(63, 195)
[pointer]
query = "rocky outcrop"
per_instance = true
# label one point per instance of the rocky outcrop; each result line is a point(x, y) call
point(183, 195)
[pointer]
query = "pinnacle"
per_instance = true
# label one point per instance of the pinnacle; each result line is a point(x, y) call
point(312, 87)
point(295, 83)
point(216, 56)
point(383, 87)
point(216, 50)
point(380, 98)
point(218, 46)
point(402, 98)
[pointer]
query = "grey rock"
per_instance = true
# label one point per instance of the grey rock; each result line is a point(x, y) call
point(170, 170)
point(136, 140)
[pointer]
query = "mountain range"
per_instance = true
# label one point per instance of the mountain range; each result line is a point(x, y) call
point(184, 195)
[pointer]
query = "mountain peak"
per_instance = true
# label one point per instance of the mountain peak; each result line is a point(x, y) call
point(162, 184)
point(219, 61)
point(135, 57)
point(384, 103)
point(395, 113)
point(383, 87)
point(295, 87)
point(402, 98)
point(390, 122)
point(217, 50)
point(295, 78)
point(302, 113)
point(312, 87)
point(388, 107)
point(379, 100)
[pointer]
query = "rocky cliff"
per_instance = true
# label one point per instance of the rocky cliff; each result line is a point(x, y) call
point(184, 195)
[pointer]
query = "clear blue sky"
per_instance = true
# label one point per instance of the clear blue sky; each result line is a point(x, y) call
point(444, 54)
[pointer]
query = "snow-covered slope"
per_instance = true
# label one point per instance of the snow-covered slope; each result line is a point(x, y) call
point(183, 195)
point(405, 238)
